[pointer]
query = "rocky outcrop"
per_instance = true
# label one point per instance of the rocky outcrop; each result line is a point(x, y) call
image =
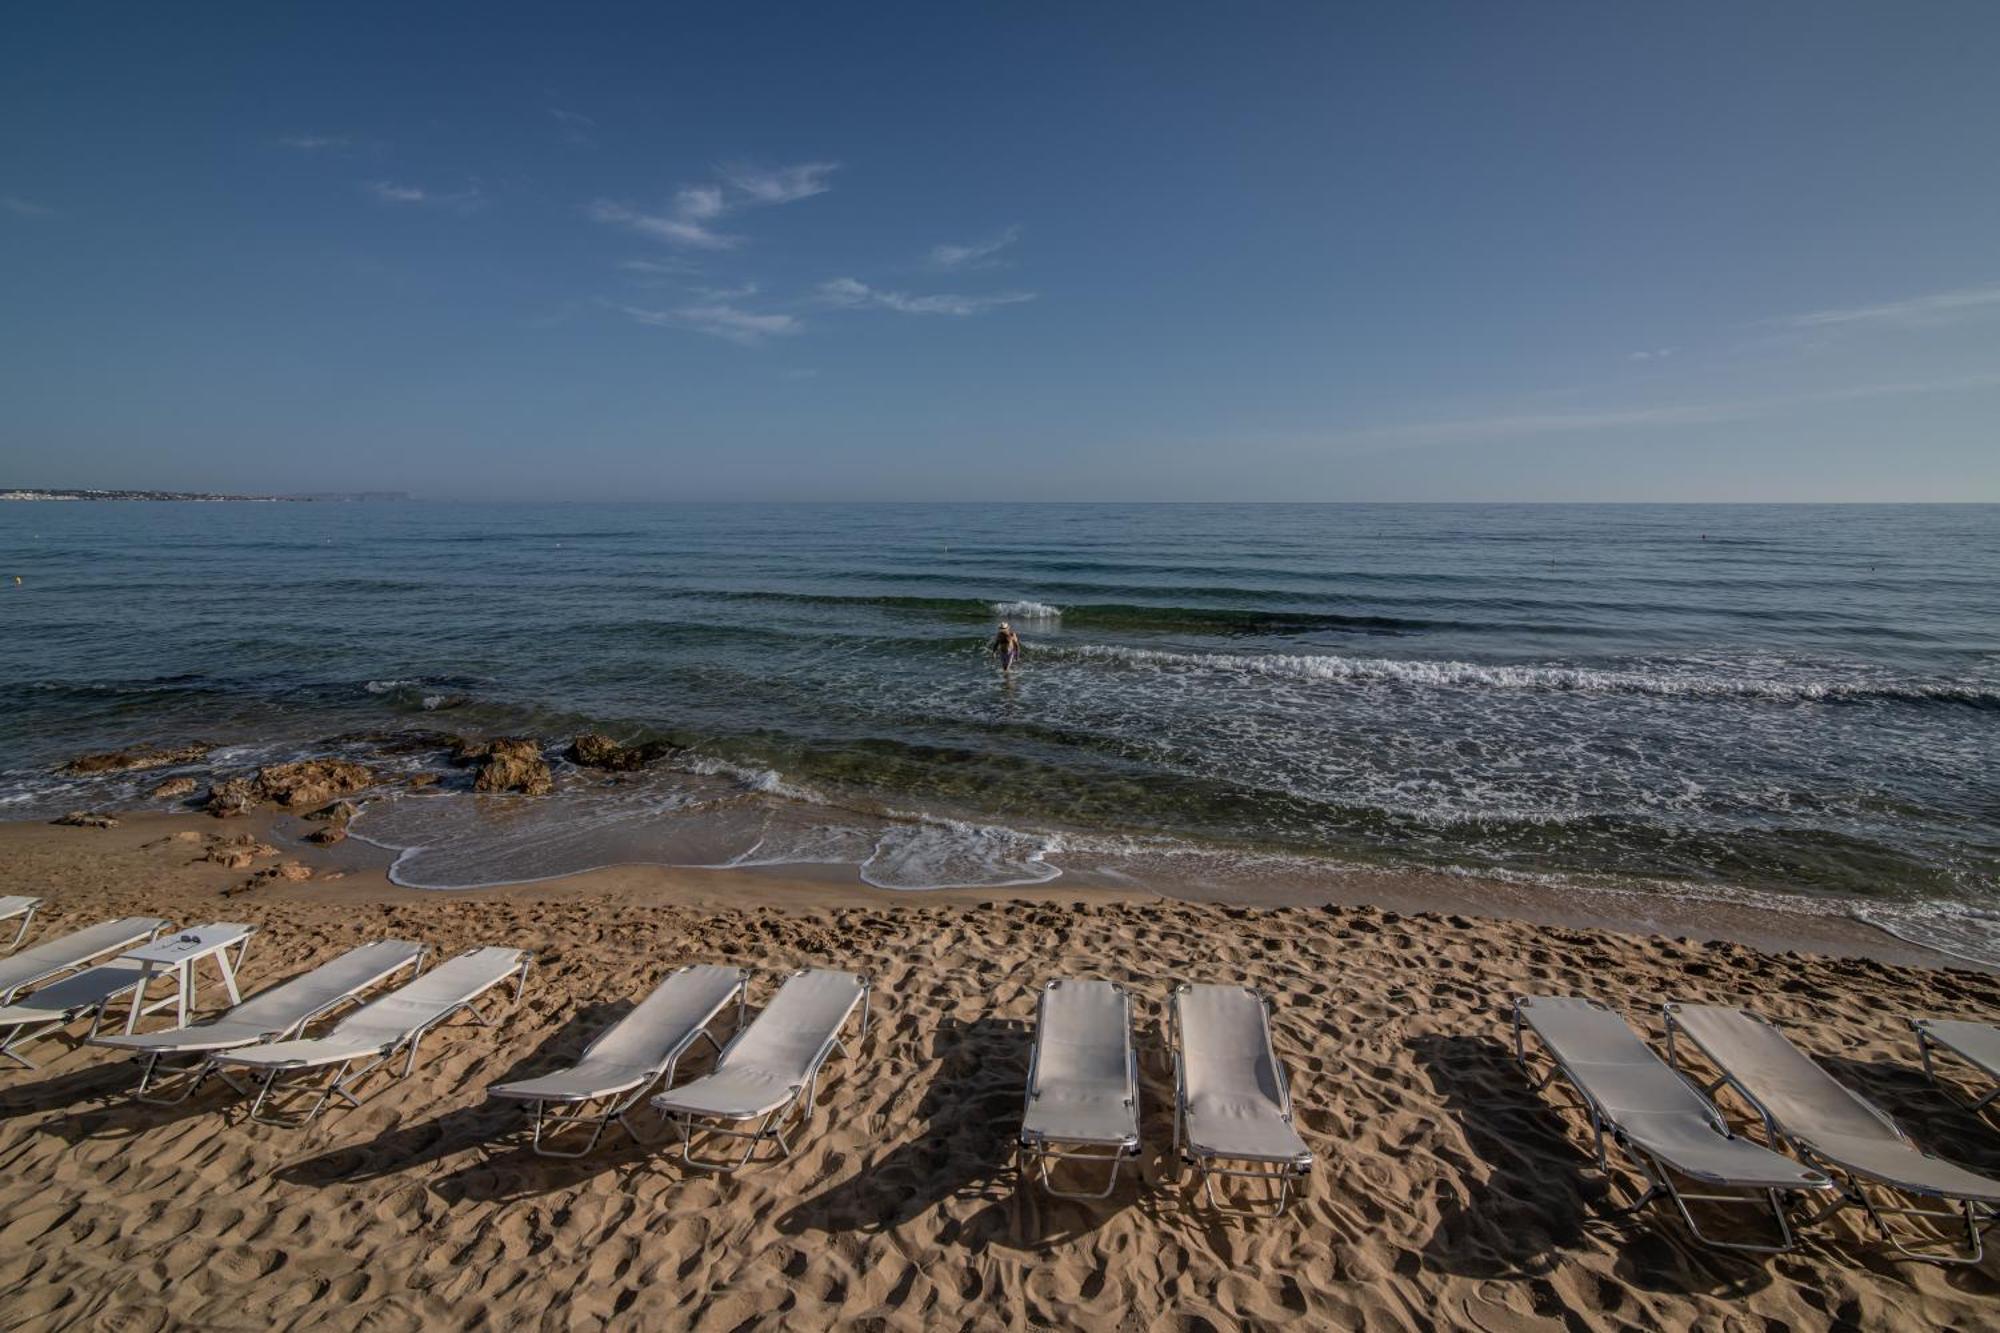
point(339, 812)
point(290, 871)
point(593, 750)
point(311, 781)
point(328, 834)
point(173, 787)
point(86, 819)
point(306, 782)
point(511, 765)
point(237, 853)
point(139, 756)
point(236, 796)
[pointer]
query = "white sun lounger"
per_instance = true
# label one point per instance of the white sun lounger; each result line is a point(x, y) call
point(271, 1015)
point(1083, 1082)
point(23, 908)
point(1230, 1099)
point(374, 1034)
point(1978, 1044)
point(1829, 1126)
point(1664, 1125)
point(68, 953)
point(626, 1060)
point(769, 1068)
point(63, 1001)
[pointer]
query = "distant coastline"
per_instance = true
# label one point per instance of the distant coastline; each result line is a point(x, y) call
point(39, 493)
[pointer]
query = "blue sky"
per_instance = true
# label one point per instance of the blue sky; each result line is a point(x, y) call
point(1426, 251)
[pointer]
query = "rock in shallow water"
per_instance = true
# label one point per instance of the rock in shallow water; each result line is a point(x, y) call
point(509, 765)
point(173, 787)
point(311, 781)
point(139, 756)
point(86, 819)
point(592, 750)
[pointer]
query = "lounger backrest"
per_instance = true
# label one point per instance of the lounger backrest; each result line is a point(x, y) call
point(1083, 1035)
point(793, 1029)
point(292, 1002)
point(57, 955)
point(1226, 1045)
point(1804, 1099)
point(1599, 1051)
point(431, 996)
point(661, 1021)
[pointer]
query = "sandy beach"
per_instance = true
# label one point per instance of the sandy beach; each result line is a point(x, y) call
point(1447, 1193)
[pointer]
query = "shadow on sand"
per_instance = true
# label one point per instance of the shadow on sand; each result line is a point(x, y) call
point(497, 1124)
point(1534, 1190)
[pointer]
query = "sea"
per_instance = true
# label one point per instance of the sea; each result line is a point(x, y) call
point(1790, 706)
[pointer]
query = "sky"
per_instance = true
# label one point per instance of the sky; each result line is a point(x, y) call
point(1426, 251)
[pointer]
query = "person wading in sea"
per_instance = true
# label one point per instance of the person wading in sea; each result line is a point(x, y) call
point(1006, 646)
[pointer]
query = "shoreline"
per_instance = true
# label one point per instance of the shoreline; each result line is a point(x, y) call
point(363, 870)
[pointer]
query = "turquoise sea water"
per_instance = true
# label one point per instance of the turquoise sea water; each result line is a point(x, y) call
point(1798, 701)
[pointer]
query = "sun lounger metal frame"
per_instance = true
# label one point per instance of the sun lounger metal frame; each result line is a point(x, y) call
point(25, 908)
point(771, 1124)
point(1287, 1171)
point(1658, 1173)
point(553, 1116)
point(203, 1066)
point(1928, 1040)
point(347, 1075)
point(1975, 1217)
point(1034, 1147)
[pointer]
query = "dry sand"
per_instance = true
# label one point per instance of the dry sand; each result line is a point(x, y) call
point(1447, 1194)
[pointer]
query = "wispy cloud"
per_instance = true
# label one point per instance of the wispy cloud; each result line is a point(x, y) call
point(1915, 310)
point(25, 208)
point(782, 185)
point(699, 201)
point(696, 206)
point(673, 228)
point(1473, 430)
point(977, 255)
point(744, 292)
point(312, 143)
point(719, 319)
point(660, 268)
point(1653, 354)
point(852, 294)
point(577, 129)
point(389, 192)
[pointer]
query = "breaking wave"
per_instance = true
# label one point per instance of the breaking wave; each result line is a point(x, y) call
point(1555, 679)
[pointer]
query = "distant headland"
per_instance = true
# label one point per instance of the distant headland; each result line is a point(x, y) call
point(38, 493)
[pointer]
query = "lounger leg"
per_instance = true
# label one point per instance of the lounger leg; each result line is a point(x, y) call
point(263, 1094)
point(1041, 1156)
point(196, 1074)
point(22, 933)
point(7, 1049)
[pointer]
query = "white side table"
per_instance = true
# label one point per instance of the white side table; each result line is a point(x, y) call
point(178, 953)
point(23, 908)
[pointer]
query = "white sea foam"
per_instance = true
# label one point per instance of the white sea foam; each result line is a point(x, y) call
point(1026, 611)
point(389, 686)
point(1584, 680)
point(1956, 929)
